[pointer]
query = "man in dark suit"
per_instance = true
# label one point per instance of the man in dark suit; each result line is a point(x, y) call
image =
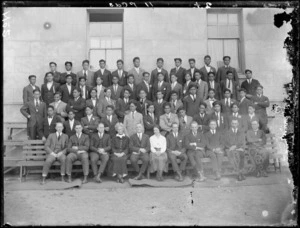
point(207, 68)
point(219, 117)
point(163, 86)
point(56, 149)
point(120, 73)
point(212, 84)
point(131, 86)
point(150, 120)
point(110, 120)
point(67, 89)
point(179, 71)
point(63, 76)
point(228, 83)
point(159, 69)
point(100, 146)
point(251, 116)
point(145, 85)
point(93, 102)
point(35, 111)
point(250, 84)
point(192, 69)
point(88, 74)
point(142, 103)
point(89, 122)
point(139, 146)
point(28, 90)
point(49, 123)
point(176, 150)
point(84, 89)
point(175, 102)
point(222, 71)
point(49, 89)
point(235, 115)
point(77, 104)
point(191, 102)
point(116, 89)
point(69, 125)
point(104, 74)
point(243, 102)
point(56, 74)
point(122, 105)
point(78, 147)
point(227, 102)
point(159, 104)
point(202, 118)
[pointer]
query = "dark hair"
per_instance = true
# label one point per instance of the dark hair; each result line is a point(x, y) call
point(93, 90)
point(98, 77)
point(110, 106)
point(217, 103)
point(242, 89)
point(234, 104)
point(102, 60)
point(156, 126)
point(227, 90)
point(159, 91)
point(71, 110)
point(178, 59)
point(192, 60)
point(197, 71)
point(128, 90)
point(77, 89)
point(105, 90)
point(66, 63)
point(229, 72)
point(68, 75)
point(132, 102)
point(36, 90)
point(85, 61)
point(203, 103)
point(212, 120)
point(248, 71)
point(135, 58)
point(226, 56)
point(213, 73)
point(144, 73)
point(52, 63)
point(82, 78)
point(160, 59)
point(50, 106)
point(207, 56)
point(130, 75)
point(120, 60)
point(211, 89)
point(167, 104)
point(181, 108)
point(174, 92)
point(251, 105)
point(143, 91)
point(48, 73)
point(31, 76)
point(259, 86)
point(115, 76)
point(160, 73)
point(57, 93)
point(89, 106)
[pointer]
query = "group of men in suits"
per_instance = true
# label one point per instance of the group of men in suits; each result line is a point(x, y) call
point(182, 97)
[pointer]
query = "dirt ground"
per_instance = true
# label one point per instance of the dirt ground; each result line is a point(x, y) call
point(116, 204)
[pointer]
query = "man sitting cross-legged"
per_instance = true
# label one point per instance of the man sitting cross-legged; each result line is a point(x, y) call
point(56, 148)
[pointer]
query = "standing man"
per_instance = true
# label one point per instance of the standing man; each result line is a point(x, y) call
point(60, 107)
point(175, 102)
point(28, 90)
point(120, 73)
point(227, 102)
point(202, 90)
point(163, 86)
point(110, 120)
point(116, 88)
point(243, 102)
point(159, 69)
point(93, 102)
point(69, 125)
point(49, 123)
point(222, 71)
point(78, 147)
point(207, 68)
point(212, 84)
point(67, 89)
point(87, 73)
point(184, 122)
point(84, 89)
point(90, 122)
point(145, 85)
point(191, 102)
point(122, 105)
point(235, 115)
point(192, 69)
point(150, 120)
point(100, 146)
point(179, 71)
point(250, 84)
point(202, 118)
point(143, 103)
point(176, 87)
point(219, 117)
point(56, 74)
point(49, 89)
point(35, 111)
point(99, 88)
point(228, 83)
point(104, 74)
point(77, 105)
point(139, 146)
point(166, 120)
point(131, 86)
point(132, 119)
point(159, 104)
point(136, 71)
point(209, 102)
point(56, 149)
point(68, 66)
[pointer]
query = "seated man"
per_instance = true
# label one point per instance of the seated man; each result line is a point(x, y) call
point(202, 118)
point(56, 148)
point(184, 122)
point(175, 150)
point(194, 143)
point(78, 147)
point(166, 120)
point(256, 140)
point(100, 147)
point(90, 122)
point(215, 147)
point(139, 146)
point(235, 148)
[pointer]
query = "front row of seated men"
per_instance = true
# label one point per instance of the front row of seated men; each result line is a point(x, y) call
point(156, 151)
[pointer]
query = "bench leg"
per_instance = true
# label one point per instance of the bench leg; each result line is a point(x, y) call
point(148, 172)
point(275, 168)
point(279, 163)
point(21, 172)
point(10, 134)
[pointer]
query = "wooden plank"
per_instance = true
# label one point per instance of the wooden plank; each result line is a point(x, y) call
point(13, 143)
point(25, 152)
point(37, 141)
point(34, 147)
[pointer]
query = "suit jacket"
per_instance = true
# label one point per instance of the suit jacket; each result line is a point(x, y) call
point(47, 129)
point(178, 105)
point(165, 123)
point(202, 121)
point(142, 107)
point(60, 110)
point(135, 144)
point(199, 139)
point(106, 77)
point(54, 145)
point(238, 139)
point(209, 107)
point(223, 121)
point(180, 74)
point(250, 88)
point(67, 128)
point(217, 88)
point(36, 116)
point(225, 108)
point(244, 105)
point(101, 108)
point(65, 95)
point(202, 90)
point(214, 141)
point(28, 93)
point(48, 95)
point(121, 108)
point(158, 108)
point(116, 95)
point(204, 73)
point(165, 87)
point(133, 93)
point(185, 88)
point(63, 78)
point(92, 125)
point(221, 74)
point(96, 142)
point(100, 95)
point(56, 77)
point(138, 77)
point(149, 124)
point(142, 86)
point(190, 72)
point(191, 107)
point(78, 107)
point(154, 74)
point(185, 127)
point(177, 88)
point(234, 92)
point(122, 79)
point(114, 120)
point(130, 123)
point(87, 92)
point(243, 125)
point(255, 117)
point(90, 103)
point(252, 139)
point(261, 107)
point(175, 143)
point(83, 143)
point(90, 78)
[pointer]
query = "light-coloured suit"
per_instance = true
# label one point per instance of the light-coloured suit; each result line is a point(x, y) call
point(165, 123)
point(130, 123)
point(209, 108)
point(60, 110)
point(138, 77)
point(90, 77)
point(100, 94)
point(175, 107)
point(202, 90)
point(101, 108)
point(185, 126)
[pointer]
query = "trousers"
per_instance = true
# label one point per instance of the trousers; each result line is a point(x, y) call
point(195, 159)
point(173, 158)
point(94, 159)
point(144, 157)
point(83, 157)
point(237, 158)
point(216, 159)
point(49, 161)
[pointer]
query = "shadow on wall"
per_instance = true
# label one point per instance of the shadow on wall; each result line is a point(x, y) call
point(261, 16)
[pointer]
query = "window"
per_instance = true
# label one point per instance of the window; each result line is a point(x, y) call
point(105, 39)
point(223, 32)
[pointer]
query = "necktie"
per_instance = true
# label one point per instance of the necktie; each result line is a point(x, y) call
point(85, 74)
point(183, 121)
point(37, 105)
point(213, 132)
point(132, 115)
point(78, 136)
point(100, 136)
point(227, 102)
point(140, 137)
point(249, 81)
point(229, 84)
point(115, 88)
point(58, 137)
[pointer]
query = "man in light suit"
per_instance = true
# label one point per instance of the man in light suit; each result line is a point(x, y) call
point(136, 71)
point(56, 149)
point(68, 66)
point(99, 88)
point(228, 83)
point(150, 120)
point(139, 146)
point(163, 86)
point(159, 69)
point(89, 122)
point(110, 120)
point(131, 86)
point(28, 90)
point(145, 85)
point(250, 84)
point(207, 68)
point(60, 107)
point(179, 71)
point(222, 71)
point(175, 102)
point(192, 69)
point(69, 125)
point(104, 74)
point(202, 90)
point(56, 74)
point(35, 111)
point(49, 89)
point(176, 87)
point(78, 147)
point(101, 109)
point(120, 73)
point(85, 72)
point(132, 119)
point(93, 102)
point(243, 102)
point(212, 84)
point(116, 88)
point(166, 120)
point(184, 122)
point(67, 89)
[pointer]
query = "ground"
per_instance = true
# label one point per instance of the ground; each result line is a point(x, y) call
point(255, 201)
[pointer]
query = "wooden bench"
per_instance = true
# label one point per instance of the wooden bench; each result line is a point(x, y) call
point(20, 126)
point(10, 162)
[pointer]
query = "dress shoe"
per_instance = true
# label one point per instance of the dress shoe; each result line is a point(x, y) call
point(243, 177)
point(63, 179)
point(97, 179)
point(264, 174)
point(239, 178)
point(84, 181)
point(258, 174)
point(69, 179)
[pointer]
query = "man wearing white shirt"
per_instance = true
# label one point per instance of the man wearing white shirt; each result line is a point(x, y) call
point(207, 68)
point(202, 90)
point(121, 73)
point(49, 123)
point(166, 120)
point(84, 89)
point(68, 66)
point(104, 74)
point(179, 71)
point(28, 90)
point(136, 71)
point(85, 72)
point(250, 84)
point(159, 69)
point(49, 89)
point(192, 69)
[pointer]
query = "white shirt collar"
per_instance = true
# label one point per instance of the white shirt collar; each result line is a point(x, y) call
point(120, 136)
point(57, 134)
point(50, 83)
point(89, 116)
point(159, 69)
